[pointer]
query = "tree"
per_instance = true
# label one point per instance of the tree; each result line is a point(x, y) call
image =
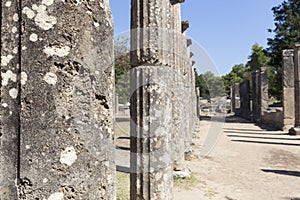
point(287, 33)
point(236, 75)
point(122, 67)
point(210, 85)
point(258, 58)
point(200, 82)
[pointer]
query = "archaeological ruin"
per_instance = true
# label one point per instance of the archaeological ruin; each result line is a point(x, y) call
point(285, 116)
point(57, 138)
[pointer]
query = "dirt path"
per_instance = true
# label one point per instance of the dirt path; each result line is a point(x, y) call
point(248, 163)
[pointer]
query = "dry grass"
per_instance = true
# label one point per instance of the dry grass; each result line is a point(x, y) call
point(123, 186)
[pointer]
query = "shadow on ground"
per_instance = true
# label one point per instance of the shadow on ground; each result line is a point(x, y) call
point(261, 142)
point(282, 172)
point(267, 138)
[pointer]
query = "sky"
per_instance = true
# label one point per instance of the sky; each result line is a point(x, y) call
point(223, 31)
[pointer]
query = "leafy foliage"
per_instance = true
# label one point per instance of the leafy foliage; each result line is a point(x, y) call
point(258, 58)
point(122, 67)
point(287, 33)
point(236, 75)
point(210, 85)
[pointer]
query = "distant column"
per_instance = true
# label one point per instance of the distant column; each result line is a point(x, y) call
point(232, 95)
point(296, 129)
point(235, 101)
point(198, 102)
point(288, 82)
point(245, 99)
point(262, 92)
point(255, 96)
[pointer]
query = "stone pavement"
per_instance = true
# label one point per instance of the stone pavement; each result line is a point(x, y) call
point(247, 163)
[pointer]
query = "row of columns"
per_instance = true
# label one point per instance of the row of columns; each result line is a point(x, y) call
point(250, 98)
point(163, 97)
point(259, 92)
point(57, 99)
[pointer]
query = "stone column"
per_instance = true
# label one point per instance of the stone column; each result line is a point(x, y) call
point(232, 94)
point(198, 102)
point(177, 87)
point(10, 100)
point(245, 99)
point(60, 99)
point(116, 103)
point(187, 77)
point(262, 91)
point(296, 129)
point(288, 82)
point(236, 98)
point(151, 101)
point(255, 111)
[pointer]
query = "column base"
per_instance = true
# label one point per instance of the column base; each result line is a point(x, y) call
point(294, 131)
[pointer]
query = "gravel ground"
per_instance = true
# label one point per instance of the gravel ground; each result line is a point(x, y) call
point(247, 163)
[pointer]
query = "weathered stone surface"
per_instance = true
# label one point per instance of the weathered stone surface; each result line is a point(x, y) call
point(163, 120)
point(245, 99)
point(150, 32)
point(296, 129)
point(184, 26)
point(288, 89)
point(177, 87)
point(297, 84)
point(152, 57)
point(189, 42)
point(64, 106)
point(176, 1)
point(151, 144)
point(10, 101)
point(262, 91)
point(235, 98)
point(255, 104)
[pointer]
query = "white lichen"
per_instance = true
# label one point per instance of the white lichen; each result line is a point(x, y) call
point(9, 75)
point(47, 2)
point(13, 93)
point(96, 24)
point(28, 12)
point(15, 50)
point(5, 105)
point(23, 78)
point(14, 29)
point(58, 51)
point(33, 37)
point(5, 60)
point(56, 196)
point(16, 17)
point(68, 156)
point(42, 19)
point(8, 4)
point(50, 78)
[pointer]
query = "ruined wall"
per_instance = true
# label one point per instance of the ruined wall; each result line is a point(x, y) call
point(235, 98)
point(288, 83)
point(163, 97)
point(244, 90)
point(273, 117)
point(57, 117)
point(151, 104)
point(296, 129)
